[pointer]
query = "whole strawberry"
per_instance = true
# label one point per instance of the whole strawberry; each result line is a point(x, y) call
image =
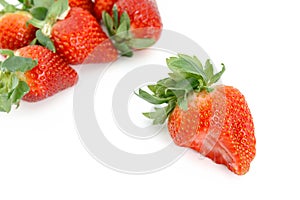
point(139, 25)
point(76, 35)
point(84, 4)
point(213, 120)
point(103, 5)
point(32, 73)
point(15, 32)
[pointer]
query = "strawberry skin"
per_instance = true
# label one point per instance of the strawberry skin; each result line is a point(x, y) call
point(219, 125)
point(50, 76)
point(144, 17)
point(15, 33)
point(103, 5)
point(84, 4)
point(79, 37)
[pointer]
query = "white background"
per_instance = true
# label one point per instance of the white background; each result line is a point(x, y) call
point(41, 156)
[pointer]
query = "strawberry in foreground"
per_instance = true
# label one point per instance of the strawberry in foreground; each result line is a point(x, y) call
point(139, 25)
point(76, 35)
point(213, 120)
point(103, 5)
point(32, 73)
point(15, 33)
point(84, 4)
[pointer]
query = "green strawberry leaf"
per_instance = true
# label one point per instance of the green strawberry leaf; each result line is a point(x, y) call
point(188, 76)
point(7, 52)
point(182, 102)
point(153, 99)
point(124, 19)
point(167, 82)
point(141, 43)
point(122, 31)
point(58, 10)
point(45, 41)
point(197, 62)
point(33, 42)
point(8, 82)
point(182, 65)
point(5, 104)
point(4, 3)
point(37, 23)
point(8, 8)
point(118, 28)
point(160, 115)
point(209, 69)
point(108, 22)
point(193, 61)
point(18, 64)
point(217, 76)
point(43, 3)
point(152, 88)
point(11, 90)
point(116, 16)
point(19, 92)
point(124, 49)
point(39, 13)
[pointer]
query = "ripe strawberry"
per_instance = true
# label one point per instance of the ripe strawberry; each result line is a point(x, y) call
point(32, 73)
point(15, 33)
point(82, 35)
point(213, 120)
point(84, 4)
point(138, 27)
point(75, 34)
point(103, 5)
point(143, 14)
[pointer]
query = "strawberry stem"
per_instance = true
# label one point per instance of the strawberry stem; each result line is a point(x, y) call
point(188, 76)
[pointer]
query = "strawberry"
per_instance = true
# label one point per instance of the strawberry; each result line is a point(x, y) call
point(15, 33)
point(84, 4)
point(138, 27)
point(32, 73)
point(103, 5)
point(213, 120)
point(75, 35)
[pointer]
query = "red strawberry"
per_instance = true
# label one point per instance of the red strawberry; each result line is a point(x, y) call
point(213, 120)
point(103, 5)
point(84, 4)
point(33, 73)
point(143, 14)
point(15, 33)
point(82, 35)
point(138, 27)
point(76, 35)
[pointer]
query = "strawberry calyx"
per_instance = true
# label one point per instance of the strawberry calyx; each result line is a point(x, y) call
point(46, 14)
point(43, 14)
point(13, 84)
point(118, 29)
point(187, 76)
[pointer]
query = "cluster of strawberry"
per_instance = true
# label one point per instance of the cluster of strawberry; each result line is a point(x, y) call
point(40, 39)
point(43, 37)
